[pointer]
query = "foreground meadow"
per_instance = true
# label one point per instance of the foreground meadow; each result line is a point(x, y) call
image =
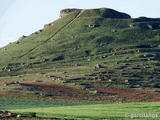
point(82, 111)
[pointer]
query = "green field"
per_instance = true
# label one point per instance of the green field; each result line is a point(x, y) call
point(81, 111)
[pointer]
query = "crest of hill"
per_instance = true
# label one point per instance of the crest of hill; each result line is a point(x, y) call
point(101, 12)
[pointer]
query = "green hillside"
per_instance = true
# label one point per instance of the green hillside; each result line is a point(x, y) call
point(87, 49)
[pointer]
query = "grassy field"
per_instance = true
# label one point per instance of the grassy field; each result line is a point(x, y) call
point(14, 103)
point(81, 111)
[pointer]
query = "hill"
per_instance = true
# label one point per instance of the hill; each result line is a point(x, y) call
point(91, 50)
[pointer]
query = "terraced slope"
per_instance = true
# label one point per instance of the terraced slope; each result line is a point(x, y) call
point(88, 49)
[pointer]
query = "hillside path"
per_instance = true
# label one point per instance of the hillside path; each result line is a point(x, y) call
point(58, 31)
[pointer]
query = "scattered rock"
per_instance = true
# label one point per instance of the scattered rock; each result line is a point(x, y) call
point(19, 116)
point(91, 25)
point(59, 79)
point(47, 25)
point(58, 58)
point(137, 86)
point(21, 38)
point(54, 79)
point(98, 66)
point(104, 56)
point(51, 76)
point(126, 81)
point(45, 60)
point(32, 114)
point(77, 65)
point(64, 72)
point(22, 64)
point(138, 51)
point(114, 30)
point(109, 80)
point(132, 25)
point(16, 82)
point(150, 26)
point(40, 31)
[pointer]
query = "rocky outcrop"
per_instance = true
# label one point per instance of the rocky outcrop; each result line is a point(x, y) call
point(65, 12)
point(6, 115)
point(102, 12)
point(21, 38)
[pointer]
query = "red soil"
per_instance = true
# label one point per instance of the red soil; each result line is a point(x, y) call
point(59, 92)
point(131, 95)
point(66, 93)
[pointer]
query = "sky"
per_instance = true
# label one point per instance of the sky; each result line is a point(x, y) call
point(23, 17)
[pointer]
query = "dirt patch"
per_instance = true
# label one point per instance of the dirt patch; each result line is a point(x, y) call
point(131, 95)
point(60, 92)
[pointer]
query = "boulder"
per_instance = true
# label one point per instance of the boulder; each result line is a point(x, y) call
point(21, 38)
point(91, 25)
point(19, 116)
point(132, 25)
point(98, 66)
point(32, 114)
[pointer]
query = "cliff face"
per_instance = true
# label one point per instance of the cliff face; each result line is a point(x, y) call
point(102, 12)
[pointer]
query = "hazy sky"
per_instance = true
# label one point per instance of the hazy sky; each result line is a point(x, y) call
point(22, 17)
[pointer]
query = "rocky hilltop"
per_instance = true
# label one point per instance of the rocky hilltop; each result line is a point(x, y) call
point(65, 12)
point(103, 12)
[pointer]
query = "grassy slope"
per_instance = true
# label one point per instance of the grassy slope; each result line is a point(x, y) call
point(76, 43)
point(78, 34)
point(75, 48)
